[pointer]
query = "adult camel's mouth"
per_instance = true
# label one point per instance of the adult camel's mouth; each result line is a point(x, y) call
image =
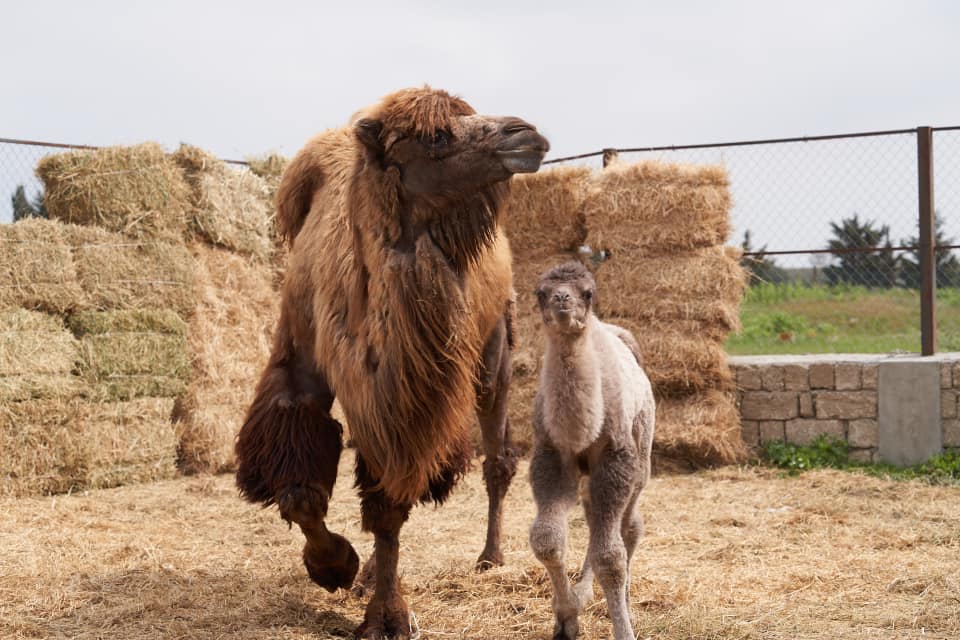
point(522, 160)
point(522, 148)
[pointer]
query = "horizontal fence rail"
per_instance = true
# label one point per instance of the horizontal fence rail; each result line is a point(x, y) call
point(876, 209)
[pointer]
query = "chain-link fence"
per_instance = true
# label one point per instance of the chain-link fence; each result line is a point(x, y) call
point(830, 225)
point(827, 214)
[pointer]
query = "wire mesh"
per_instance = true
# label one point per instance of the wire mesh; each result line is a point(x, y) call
point(21, 192)
point(838, 211)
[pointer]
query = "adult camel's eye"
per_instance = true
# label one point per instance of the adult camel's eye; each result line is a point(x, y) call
point(440, 139)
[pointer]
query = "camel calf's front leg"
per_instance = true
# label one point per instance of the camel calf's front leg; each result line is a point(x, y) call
point(555, 493)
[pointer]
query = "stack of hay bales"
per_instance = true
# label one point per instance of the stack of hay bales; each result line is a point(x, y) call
point(670, 280)
point(235, 308)
point(546, 226)
point(665, 275)
point(229, 340)
point(104, 307)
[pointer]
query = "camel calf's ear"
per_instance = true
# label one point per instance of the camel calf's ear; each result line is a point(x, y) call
point(368, 131)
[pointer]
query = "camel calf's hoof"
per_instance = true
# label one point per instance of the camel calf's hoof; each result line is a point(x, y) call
point(566, 629)
point(336, 567)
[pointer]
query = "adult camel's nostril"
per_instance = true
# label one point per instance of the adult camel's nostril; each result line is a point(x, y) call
point(516, 125)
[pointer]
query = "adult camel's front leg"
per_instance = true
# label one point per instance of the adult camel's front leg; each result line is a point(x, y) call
point(287, 453)
point(387, 615)
point(500, 459)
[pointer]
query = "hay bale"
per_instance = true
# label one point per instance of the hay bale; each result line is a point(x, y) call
point(545, 212)
point(681, 356)
point(699, 430)
point(116, 272)
point(36, 267)
point(132, 353)
point(231, 208)
point(657, 207)
point(33, 342)
point(137, 190)
point(230, 342)
point(57, 446)
point(705, 284)
point(37, 356)
point(529, 343)
point(136, 442)
point(269, 167)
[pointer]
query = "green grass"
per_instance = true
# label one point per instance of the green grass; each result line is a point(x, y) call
point(792, 318)
point(830, 453)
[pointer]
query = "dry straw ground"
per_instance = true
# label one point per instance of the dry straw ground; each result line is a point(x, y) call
point(731, 553)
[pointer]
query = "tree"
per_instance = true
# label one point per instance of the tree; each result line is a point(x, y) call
point(760, 268)
point(948, 267)
point(870, 269)
point(23, 207)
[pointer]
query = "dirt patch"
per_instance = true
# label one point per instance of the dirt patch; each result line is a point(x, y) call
point(731, 553)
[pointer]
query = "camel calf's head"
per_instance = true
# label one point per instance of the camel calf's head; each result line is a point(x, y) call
point(566, 295)
point(440, 145)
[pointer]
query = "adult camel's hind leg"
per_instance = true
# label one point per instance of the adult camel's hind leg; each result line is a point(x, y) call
point(500, 459)
point(287, 454)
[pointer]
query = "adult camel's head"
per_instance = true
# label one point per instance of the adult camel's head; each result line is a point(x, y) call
point(440, 146)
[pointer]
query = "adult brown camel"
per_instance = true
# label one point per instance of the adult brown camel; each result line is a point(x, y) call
point(396, 301)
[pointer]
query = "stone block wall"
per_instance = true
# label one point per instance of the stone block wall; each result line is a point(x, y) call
point(797, 398)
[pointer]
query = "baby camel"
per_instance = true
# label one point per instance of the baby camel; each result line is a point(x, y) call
point(593, 417)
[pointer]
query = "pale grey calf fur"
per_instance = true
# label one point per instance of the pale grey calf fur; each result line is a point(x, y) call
point(593, 419)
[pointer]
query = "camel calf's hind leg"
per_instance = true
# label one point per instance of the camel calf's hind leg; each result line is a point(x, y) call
point(613, 490)
point(500, 460)
point(287, 454)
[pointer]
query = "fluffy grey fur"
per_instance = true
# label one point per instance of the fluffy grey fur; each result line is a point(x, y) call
point(593, 421)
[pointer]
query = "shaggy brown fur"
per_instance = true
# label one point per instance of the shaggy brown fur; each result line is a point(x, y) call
point(398, 278)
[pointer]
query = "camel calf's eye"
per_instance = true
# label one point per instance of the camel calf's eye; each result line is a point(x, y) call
point(588, 295)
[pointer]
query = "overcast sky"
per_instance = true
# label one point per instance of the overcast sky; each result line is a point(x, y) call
point(244, 78)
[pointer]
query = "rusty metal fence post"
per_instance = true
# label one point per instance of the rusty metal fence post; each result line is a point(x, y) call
point(927, 248)
point(609, 156)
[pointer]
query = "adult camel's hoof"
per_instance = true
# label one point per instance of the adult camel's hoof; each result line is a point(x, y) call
point(387, 619)
point(335, 568)
point(489, 560)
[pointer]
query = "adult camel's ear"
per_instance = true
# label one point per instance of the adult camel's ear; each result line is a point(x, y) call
point(368, 131)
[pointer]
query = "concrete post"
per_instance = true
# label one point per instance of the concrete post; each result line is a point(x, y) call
point(909, 411)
